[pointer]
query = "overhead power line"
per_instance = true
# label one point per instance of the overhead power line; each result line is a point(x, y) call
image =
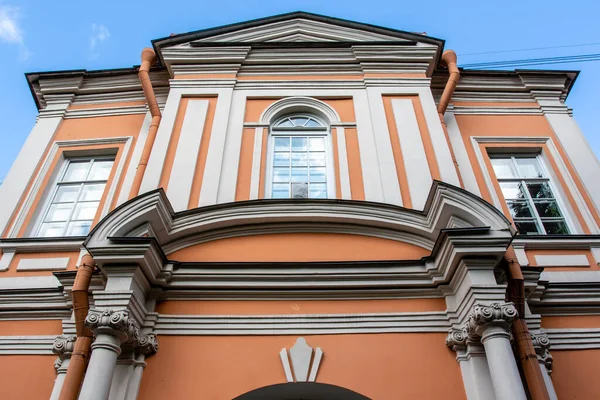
point(535, 61)
point(531, 49)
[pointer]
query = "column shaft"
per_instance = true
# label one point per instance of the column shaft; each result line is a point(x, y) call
point(501, 361)
point(98, 378)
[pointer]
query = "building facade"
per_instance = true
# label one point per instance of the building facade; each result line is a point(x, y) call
point(301, 207)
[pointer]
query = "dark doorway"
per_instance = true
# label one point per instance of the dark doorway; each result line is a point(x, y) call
point(302, 391)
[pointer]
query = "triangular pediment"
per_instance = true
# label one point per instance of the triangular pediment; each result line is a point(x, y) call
point(295, 27)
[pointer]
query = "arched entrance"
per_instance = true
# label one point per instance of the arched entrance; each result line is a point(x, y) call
point(301, 391)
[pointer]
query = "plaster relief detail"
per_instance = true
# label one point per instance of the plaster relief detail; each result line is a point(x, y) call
point(302, 362)
point(541, 344)
point(483, 316)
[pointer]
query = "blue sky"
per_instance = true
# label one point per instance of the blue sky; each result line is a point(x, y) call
point(40, 35)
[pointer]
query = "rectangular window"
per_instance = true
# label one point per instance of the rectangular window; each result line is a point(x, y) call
point(75, 198)
point(528, 193)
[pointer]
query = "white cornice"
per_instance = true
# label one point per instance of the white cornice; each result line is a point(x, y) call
point(26, 345)
point(574, 339)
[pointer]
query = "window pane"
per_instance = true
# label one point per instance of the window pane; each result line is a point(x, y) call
point(503, 168)
point(527, 227)
point(100, 171)
point(76, 171)
point(66, 193)
point(540, 190)
point(318, 175)
point(59, 212)
point(300, 174)
point(318, 191)
point(313, 124)
point(52, 229)
point(547, 209)
point(317, 144)
point(85, 211)
point(281, 174)
point(519, 209)
point(299, 190)
point(281, 191)
point(529, 168)
point(299, 121)
point(282, 143)
point(317, 159)
point(512, 190)
point(300, 159)
point(286, 123)
point(80, 228)
point(282, 159)
point(92, 192)
point(299, 144)
point(556, 227)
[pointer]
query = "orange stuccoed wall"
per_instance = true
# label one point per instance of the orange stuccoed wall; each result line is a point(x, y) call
point(379, 366)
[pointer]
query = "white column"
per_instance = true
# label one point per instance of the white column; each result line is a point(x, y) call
point(61, 372)
point(98, 378)
point(501, 362)
point(111, 329)
point(549, 384)
point(492, 324)
point(136, 378)
point(541, 343)
point(473, 366)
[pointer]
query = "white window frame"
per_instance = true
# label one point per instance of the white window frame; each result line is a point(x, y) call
point(324, 132)
point(56, 183)
point(547, 177)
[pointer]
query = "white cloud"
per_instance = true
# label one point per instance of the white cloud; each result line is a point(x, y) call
point(9, 27)
point(10, 31)
point(100, 33)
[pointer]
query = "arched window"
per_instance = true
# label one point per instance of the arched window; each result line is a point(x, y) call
point(300, 160)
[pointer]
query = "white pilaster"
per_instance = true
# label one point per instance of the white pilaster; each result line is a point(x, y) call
point(441, 147)
point(232, 151)
point(61, 373)
point(385, 156)
point(256, 158)
point(460, 153)
point(368, 148)
point(22, 170)
point(343, 164)
point(216, 148)
point(413, 152)
point(186, 155)
point(135, 160)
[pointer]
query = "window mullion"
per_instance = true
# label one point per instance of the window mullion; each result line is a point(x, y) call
point(70, 217)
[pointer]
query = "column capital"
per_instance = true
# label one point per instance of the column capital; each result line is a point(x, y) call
point(541, 344)
point(482, 317)
point(457, 339)
point(147, 344)
point(113, 323)
point(63, 346)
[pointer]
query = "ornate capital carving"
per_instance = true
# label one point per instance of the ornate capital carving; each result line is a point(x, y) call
point(114, 323)
point(495, 314)
point(147, 345)
point(63, 345)
point(541, 344)
point(456, 339)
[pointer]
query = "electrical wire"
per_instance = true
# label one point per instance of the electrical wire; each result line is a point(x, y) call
point(531, 49)
point(535, 61)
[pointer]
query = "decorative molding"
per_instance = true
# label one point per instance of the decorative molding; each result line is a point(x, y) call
point(147, 344)
point(26, 345)
point(574, 338)
point(113, 323)
point(63, 346)
point(302, 361)
point(301, 324)
point(483, 316)
point(41, 245)
point(289, 105)
point(457, 339)
point(43, 264)
point(541, 344)
point(562, 260)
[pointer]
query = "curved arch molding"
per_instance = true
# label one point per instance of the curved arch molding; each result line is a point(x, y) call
point(146, 229)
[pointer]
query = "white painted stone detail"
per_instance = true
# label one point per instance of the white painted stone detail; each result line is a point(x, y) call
point(43, 264)
point(562, 260)
point(184, 164)
point(301, 355)
point(256, 158)
point(413, 152)
point(346, 193)
point(460, 153)
point(7, 257)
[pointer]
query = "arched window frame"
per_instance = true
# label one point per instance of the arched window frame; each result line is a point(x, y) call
point(291, 106)
point(323, 131)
